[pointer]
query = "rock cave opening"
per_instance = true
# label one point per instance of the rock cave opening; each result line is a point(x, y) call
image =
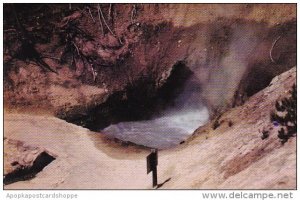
point(151, 116)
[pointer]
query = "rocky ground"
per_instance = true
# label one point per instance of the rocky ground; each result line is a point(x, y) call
point(231, 155)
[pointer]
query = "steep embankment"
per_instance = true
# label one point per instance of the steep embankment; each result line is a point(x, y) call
point(231, 156)
point(226, 46)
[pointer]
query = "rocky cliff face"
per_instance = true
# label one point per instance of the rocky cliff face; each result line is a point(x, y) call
point(97, 50)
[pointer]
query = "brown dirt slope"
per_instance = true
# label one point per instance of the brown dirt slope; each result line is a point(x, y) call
point(220, 43)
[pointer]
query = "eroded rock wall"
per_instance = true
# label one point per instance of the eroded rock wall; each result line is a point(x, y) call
point(233, 49)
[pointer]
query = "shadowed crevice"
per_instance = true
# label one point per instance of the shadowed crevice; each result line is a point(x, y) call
point(28, 173)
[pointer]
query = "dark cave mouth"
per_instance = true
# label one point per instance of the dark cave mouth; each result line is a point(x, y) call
point(141, 100)
point(150, 116)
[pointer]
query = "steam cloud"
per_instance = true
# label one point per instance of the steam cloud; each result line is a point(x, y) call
point(174, 125)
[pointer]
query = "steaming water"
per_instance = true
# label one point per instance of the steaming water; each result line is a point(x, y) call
point(170, 128)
